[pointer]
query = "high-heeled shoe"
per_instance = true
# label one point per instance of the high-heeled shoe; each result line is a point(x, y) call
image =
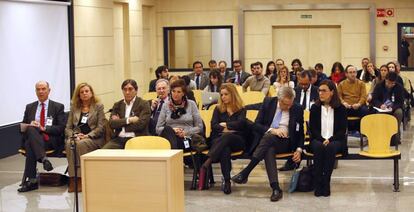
point(202, 178)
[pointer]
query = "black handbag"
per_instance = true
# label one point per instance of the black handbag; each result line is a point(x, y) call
point(198, 143)
point(305, 180)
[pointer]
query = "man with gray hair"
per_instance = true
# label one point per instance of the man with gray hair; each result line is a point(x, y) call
point(43, 125)
point(162, 87)
point(279, 128)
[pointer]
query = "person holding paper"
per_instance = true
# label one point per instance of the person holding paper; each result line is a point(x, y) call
point(85, 126)
point(44, 121)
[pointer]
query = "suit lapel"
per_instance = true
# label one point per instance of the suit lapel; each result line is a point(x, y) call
point(91, 113)
point(122, 109)
point(33, 111)
point(273, 108)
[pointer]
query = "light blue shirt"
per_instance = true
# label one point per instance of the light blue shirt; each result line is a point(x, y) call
point(39, 109)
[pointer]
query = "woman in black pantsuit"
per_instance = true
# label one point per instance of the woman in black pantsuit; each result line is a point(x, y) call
point(328, 123)
point(228, 134)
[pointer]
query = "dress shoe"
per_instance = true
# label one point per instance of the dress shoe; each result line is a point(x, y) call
point(277, 194)
point(47, 165)
point(202, 178)
point(289, 165)
point(28, 186)
point(226, 187)
point(239, 179)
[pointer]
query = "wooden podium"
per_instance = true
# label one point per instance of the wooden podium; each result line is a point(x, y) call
point(133, 180)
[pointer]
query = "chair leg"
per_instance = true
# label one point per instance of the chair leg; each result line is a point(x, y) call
point(396, 176)
point(195, 172)
point(211, 175)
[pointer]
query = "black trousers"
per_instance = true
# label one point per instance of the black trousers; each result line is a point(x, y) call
point(221, 150)
point(269, 146)
point(175, 141)
point(324, 160)
point(360, 112)
point(35, 148)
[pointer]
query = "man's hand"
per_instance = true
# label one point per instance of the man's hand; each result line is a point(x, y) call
point(133, 119)
point(223, 124)
point(325, 142)
point(154, 104)
point(383, 107)
point(114, 117)
point(179, 132)
point(34, 124)
point(278, 132)
point(296, 156)
point(356, 106)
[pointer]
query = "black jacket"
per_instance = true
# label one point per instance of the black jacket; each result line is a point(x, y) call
point(314, 94)
point(379, 95)
point(237, 122)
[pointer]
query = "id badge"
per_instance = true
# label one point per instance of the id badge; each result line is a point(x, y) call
point(49, 121)
point(186, 144)
point(84, 119)
point(297, 127)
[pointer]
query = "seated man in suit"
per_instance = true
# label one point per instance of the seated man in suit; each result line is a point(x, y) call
point(162, 88)
point(160, 73)
point(225, 74)
point(353, 94)
point(129, 117)
point(45, 121)
point(280, 123)
point(389, 94)
point(200, 78)
point(238, 76)
point(257, 82)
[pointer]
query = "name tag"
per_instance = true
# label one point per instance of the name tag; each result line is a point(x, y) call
point(84, 119)
point(49, 121)
point(297, 127)
point(186, 144)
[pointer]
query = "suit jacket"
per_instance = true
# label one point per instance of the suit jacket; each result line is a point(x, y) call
point(226, 76)
point(152, 85)
point(236, 122)
point(54, 110)
point(96, 120)
point(314, 94)
point(340, 126)
point(378, 95)
point(140, 108)
point(265, 117)
point(204, 80)
point(367, 76)
point(243, 76)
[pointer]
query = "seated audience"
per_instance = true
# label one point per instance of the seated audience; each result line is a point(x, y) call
point(280, 126)
point(328, 125)
point(270, 69)
point(321, 76)
point(363, 74)
point(296, 68)
point(257, 82)
point(238, 76)
point(161, 73)
point(225, 73)
point(214, 82)
point(189, 93)
point(279, 64)
point(389, 95)
point(337, 73)
point(371, 74)
point(45, 122)
point(283, 79)
point(85, 127)
point(129, 117)
point(179, 118)
point(383, 72)
point(163, 89)
point(199, 77)
point(212, 64)
point(306, 93)
point(228, 134)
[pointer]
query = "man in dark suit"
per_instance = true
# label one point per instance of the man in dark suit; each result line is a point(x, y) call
point(162, 88)
point(225, 73)
point(129, 117)
point(390, 95)
point(160, 73)
point(200, 78)
point(238, 76)
point(44, 121)
point(280, 123)
point(364, 74)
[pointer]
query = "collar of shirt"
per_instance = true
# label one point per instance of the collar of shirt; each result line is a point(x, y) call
point(130, 103)
point(260, 77)
point(45, 102)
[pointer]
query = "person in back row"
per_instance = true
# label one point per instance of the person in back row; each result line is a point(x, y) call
point(257, 82)
point(163, 89)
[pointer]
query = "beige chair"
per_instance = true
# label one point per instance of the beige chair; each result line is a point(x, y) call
point(148, 142)
point(149, 96)
point(252, 97)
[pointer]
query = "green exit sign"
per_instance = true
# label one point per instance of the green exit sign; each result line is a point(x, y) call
point(306, 16)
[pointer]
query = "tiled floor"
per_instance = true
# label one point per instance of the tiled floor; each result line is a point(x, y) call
point(356, 186)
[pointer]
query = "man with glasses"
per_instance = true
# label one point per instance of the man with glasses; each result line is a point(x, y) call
point(238, 76)
point(257, 82)
point(129, 117)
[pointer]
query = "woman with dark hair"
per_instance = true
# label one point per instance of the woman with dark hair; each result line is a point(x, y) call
point(215, 81)
point(270, 69)
point(337, 73)
point(228, 134)
point(328, 124)
point(179, 118)
point(383, 71)
point(85, 126)
point(296, 67)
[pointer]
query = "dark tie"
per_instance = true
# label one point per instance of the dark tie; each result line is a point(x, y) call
point(238, 78)
point(157, 112)
point(198, 82)
point(42, 121)
point(304, 100)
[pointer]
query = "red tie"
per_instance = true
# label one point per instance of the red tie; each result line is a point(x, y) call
point(42, 121)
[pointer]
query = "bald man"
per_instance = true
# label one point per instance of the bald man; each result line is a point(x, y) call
point(45, 122)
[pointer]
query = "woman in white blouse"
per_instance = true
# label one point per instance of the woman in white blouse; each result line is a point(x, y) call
point(328, 124)
point(283, 79)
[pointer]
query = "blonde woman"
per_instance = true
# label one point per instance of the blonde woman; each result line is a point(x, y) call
point(283, 79)
point(85, 126)
point(228, 134)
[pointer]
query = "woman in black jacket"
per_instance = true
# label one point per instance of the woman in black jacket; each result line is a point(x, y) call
point(328, 124)
point(228, 134)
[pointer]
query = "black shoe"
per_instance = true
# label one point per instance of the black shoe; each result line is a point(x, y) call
point(28, 186)
point(47, 165)
point(289, 165)
point(239, 179)
point(326, 191)
point(226, 187)
point(277, 194)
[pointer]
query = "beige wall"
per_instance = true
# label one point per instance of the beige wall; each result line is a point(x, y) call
point(95, 34)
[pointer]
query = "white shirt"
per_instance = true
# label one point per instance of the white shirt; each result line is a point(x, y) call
point(327, 122)
point(128, 108)
point(284, 121)
point(362, 74)
point(308, 93)
point(39, 109)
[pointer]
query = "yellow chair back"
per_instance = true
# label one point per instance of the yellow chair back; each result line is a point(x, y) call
point(239, 89)
point(368, 86)
point(148, 142)
point(379, 129)
point(272, 91)
point(252, 114)
point(212, 107)
point(206, 116)
point(252, 97)
point(197, 96)
point(149, 96)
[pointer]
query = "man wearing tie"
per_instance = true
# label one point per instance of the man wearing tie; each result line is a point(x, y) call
point(162, 87)
point(238, 76)
point(280, 123)
point(201, 79)
point(45, 121)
